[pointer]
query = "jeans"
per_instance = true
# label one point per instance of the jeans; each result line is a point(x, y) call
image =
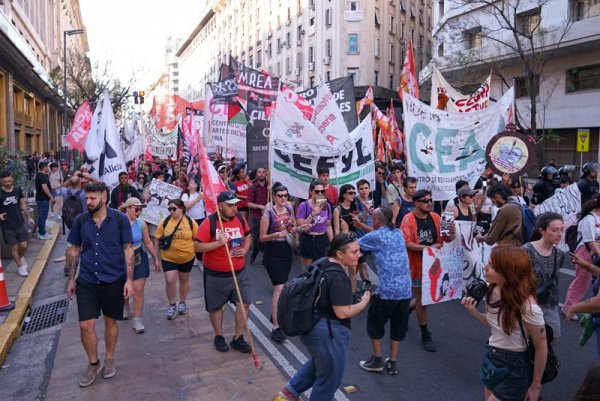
point(325, 368)
point(43, 209)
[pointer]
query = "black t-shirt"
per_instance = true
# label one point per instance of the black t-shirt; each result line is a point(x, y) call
point(587, 189)
point(426, 231)
point(42, 178)
point(10, 203)
point(337, 289)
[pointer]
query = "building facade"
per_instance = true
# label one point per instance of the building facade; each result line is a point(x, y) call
point(307, 41)
point(469, 41)
point(31, 47)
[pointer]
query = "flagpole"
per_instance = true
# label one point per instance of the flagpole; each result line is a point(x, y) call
point(239, 293)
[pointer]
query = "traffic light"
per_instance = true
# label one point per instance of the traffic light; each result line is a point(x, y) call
point(135, 97)
point(141, 95)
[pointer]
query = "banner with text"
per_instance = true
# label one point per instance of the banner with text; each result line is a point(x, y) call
point(443, 147)
point(567, 203)
point(343, 93)
point(158, 204)
point(220, 131)
point(450, 99)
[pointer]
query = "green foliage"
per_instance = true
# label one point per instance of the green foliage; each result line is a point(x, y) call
point(16, 165)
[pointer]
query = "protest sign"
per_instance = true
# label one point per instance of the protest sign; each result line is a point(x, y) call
point(567, 203)
point(162, 143)
point(158, 205)
point(444, 147)
point(343, 93)
point(445, 97)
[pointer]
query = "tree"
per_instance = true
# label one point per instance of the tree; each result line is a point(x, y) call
point(500, 36)
point(85, 82)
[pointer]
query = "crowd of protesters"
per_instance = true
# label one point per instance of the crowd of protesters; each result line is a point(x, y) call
point(332, 227)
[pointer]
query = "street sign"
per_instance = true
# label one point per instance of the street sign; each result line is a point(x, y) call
point(583, 140)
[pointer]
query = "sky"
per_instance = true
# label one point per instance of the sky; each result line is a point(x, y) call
point(132, 34)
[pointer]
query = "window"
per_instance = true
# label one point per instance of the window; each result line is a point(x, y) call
point(392, 54)
point(251, 61)
point(353, 6)
point(377, 17)
point(311, 21)
point(522, 86)
point(376, 78)
point(311, 54)
point(391, 85)
point(299, 60)
point(328, 17)
point(279, 69)
point(441, 50)
point(288, 39)
point(583, 9)
point(354, 73)
point(472, 38)
point(583, 78)
point(353, 43)
point(528, 23)
point(392, 25)
point(328, 48)
point(288, 65)
point(377, 50)
point(327, 76)
point(258, 58)
point(311, 81)
point(278, 46)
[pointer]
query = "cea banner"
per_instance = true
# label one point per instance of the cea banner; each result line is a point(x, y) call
point(448, 270)
point(295, 164)
point(443, 147)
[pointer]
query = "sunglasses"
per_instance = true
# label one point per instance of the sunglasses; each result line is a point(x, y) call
point(137, 209)
point(380, 173)
point(281, 195)
point(141, 177)
point(173, 209)
point(350, 193)
point(319, 191)
point(425, 200)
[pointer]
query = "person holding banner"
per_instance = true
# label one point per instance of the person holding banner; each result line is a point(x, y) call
point(315, 211)
point(512, 314)
point(421, 229)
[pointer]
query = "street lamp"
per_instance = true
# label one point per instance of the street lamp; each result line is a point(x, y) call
point(65, 33)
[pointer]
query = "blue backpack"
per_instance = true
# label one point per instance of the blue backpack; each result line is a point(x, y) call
point(528, 222)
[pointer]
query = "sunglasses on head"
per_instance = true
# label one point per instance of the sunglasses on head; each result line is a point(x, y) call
point(428, 200)
point(173, 209)
point(319, 191)
point(281, 195)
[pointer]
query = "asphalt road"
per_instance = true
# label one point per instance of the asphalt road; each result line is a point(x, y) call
point(451, 373)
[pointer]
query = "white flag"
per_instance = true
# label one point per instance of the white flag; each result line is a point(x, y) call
point(328, 118)
point(132, 139)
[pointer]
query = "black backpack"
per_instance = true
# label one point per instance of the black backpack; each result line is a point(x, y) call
point(572, 238)
point(71, 208)
point(299, 300)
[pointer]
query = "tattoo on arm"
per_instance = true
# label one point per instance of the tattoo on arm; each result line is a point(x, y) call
point(72, 263)
point(542, 330)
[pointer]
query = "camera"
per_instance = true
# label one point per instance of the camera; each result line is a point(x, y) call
point(477, 289)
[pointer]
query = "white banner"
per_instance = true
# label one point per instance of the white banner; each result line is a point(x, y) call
point(348, 164)
point(132, 139)
point(444, 147)
point(162, 143)
point(222, 133)
point(445, 97)
point(448, 270)
point(103, 147)
point(158, 205)
point(328, 118)
point(567, 203)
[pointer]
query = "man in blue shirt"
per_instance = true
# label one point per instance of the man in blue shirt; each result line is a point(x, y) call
point(101, 237)
point(394, 293)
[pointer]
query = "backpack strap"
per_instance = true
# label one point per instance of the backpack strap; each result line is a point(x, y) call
point(166, 221)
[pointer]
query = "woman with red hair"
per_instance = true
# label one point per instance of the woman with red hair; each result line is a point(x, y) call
point(512, 313)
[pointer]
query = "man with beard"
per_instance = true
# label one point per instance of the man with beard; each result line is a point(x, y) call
point(102, 238)
point(123, 191)
point(507, 226)
point(257, 200)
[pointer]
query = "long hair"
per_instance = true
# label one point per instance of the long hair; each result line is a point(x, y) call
point(343, 189)
point(588, 206)
point(542, 222)
point(514, 264)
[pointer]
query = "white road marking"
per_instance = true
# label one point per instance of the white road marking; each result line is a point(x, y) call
point(568, 272)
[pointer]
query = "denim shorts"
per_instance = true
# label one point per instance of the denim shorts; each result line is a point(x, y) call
point(514, 387)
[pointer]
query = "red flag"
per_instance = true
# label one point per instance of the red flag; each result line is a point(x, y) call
point(380, 148)
point(81, 127)
point(408, 78)
point(396, 137)
point(211, 182)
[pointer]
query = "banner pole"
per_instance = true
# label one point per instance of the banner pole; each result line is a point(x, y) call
point(239, 294)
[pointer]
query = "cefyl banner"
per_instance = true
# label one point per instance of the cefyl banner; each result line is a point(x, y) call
point(443, 147)
point(450, 99)
point(343, 93)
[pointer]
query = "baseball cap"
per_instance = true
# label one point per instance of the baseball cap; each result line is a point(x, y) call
point(466, 191)
point(228, 197)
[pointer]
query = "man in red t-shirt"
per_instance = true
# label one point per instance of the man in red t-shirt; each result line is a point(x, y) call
point(218, 280)
point(331, 192)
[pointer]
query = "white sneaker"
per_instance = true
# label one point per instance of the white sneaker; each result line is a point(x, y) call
point(45, 236)
point(59, 217)
point(23, 271)
point(24, 263)
point(51, 214)
point(137, 326)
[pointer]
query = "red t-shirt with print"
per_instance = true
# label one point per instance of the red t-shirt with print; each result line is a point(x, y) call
point(217, 259)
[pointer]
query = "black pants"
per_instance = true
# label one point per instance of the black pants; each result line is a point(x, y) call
point(256, 245)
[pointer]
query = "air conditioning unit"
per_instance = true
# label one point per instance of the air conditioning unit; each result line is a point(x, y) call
point(311, 66)
point(326, 60)
point(297, 71)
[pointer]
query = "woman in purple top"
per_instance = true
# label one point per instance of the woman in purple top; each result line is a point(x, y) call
point(316, 212)
point(276, 226)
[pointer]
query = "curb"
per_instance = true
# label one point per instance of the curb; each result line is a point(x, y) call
point(10, 330)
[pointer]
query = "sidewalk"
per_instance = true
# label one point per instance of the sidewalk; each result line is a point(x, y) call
point(21, 289)
point(172, 360)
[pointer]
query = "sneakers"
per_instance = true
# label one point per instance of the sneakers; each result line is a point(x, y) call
point(587, 328)
point(374, 364)
point(390, 367)
point(428, 344)
point(46, 236)
point(240, 344)
point(90, 375)
point(182, 308)
point(59, 217)
point(126, 312)
point(285, 395)
point(278, 335)
point(171, 311)
point(137, 326)
point(220, 344)
point(22, 270)
point(108, 370)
